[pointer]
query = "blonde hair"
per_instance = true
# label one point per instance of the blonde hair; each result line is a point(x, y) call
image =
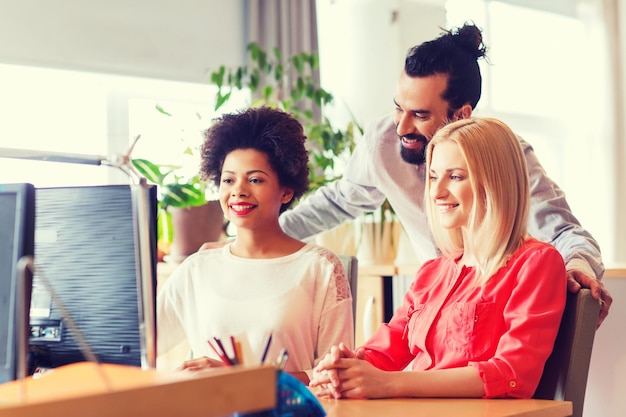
point(498, 175)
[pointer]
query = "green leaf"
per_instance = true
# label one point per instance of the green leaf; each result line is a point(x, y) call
point(255, 51)
point(254, 81)
point(238, 79)
point(182, 195)
point(279, 73)
point(220, 99)
point(262, 59)
point(268, 90)
point(161, 110)
point(297, 63)
point(150, 171)
point(217, 77)
point(165, 226)
point(278, 54)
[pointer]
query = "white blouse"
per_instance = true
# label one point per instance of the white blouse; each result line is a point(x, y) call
point(303, 300)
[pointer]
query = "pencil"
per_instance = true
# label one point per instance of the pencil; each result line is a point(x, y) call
point(266, 349)
point(233, 343)
point(239, 352)
point(224, 360)
point(221, 346)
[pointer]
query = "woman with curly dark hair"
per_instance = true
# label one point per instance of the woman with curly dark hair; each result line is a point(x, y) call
point(264, 281)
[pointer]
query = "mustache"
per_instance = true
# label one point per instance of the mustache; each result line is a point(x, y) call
point(413, 136)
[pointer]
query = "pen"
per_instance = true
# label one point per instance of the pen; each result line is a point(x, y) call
point(281, 361)
point(266, 349)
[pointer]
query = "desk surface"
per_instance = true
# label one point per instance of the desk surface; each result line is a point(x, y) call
point(446, 407)
point(106, 390)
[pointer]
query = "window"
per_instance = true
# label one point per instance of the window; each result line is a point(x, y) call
point(546, 80)
point(48, 110)
point(174, 135)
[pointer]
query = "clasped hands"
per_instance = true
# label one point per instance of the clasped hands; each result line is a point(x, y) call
point(344, 373)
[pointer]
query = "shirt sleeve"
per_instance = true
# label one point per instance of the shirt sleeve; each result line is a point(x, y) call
point(341, 200)
point(551, 220)
point(336, 323)
point(531, 318)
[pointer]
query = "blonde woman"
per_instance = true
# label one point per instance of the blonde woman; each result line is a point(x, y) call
point(480, 320)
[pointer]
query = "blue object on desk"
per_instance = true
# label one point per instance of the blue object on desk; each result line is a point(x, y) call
point(293, 399)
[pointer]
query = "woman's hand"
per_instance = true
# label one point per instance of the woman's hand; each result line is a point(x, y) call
point(325, 374)
point(351, 378)
point(199, 364)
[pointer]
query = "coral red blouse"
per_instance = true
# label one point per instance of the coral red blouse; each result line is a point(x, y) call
point(505, 328)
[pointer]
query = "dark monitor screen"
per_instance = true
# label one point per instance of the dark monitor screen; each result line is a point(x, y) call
point(17, 225)
point(87, 248)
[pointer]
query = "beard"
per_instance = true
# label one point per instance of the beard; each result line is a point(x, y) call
point(415, 155)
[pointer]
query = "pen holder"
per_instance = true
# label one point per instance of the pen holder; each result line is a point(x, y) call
point(293, 399)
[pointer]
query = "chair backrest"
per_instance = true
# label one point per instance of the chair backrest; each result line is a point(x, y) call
point(351, 265)
point(565, 373)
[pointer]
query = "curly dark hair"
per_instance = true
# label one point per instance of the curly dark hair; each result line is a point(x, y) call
point(455, 53)
point(274, 132)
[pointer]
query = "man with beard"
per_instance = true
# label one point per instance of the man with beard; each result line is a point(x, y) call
point(440, 83)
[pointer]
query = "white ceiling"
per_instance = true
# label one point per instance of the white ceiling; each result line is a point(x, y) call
point(169, 39)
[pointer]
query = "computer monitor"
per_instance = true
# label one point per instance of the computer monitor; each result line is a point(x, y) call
point(17, 230)
point(94, 284)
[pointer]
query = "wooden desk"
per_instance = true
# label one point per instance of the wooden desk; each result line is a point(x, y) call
point(80, 390)
point(87, 389)
point(446, 407)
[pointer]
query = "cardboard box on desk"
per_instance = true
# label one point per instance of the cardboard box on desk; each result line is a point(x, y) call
point(94, 390)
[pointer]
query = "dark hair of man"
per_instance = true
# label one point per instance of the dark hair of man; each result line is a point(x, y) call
point(274, 132)
point(455, 53)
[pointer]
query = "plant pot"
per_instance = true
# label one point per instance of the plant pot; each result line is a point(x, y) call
point(194, 226)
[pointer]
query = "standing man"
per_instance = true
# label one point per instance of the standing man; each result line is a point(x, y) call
point(441, 83)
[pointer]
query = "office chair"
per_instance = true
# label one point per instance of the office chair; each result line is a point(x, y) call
point(565, 373)
point(351, 265)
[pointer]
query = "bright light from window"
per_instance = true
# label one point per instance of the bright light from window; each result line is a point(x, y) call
point(545, 79)
point(174, 136)
point(532, 71)
point(51, 110)
point(98, 115)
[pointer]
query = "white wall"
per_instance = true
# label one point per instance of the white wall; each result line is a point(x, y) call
point(620, 151)
point(362, 72)
point(606, 386)
point(176, 40)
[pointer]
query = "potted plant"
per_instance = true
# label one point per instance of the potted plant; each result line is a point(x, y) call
point(189, 212)
point(266, 78)
point(288, 84)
